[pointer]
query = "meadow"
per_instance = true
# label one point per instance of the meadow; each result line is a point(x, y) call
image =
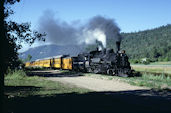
point(156, 67)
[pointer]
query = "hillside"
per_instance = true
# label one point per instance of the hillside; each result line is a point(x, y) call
point(154, 43)
point(51, 50)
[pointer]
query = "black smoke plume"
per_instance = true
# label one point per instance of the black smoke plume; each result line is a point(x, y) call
point(96, 29)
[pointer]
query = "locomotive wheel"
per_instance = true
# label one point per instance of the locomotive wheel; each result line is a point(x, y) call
point(89, 70)
point(109, 72)
point(96, 71)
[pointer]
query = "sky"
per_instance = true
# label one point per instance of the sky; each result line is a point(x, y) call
point(130, 15)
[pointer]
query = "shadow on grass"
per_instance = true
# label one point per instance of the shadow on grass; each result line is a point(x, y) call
point(14, 89)
point(54, 73)
point(138, 101)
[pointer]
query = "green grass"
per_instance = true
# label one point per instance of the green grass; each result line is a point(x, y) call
point(18, 84)
point(155, 63)
point(161, 63)
point(146, 80)
point(153, 68)
point(16, 74)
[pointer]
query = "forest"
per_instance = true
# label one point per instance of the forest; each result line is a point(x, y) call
point(154, 44)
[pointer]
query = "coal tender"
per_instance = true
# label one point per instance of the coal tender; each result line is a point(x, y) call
point(105, 61)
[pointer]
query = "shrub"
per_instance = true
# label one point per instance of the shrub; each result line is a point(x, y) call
point(15, 74)
point(166, 59)
point(134, 61)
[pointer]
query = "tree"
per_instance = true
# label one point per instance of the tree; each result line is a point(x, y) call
point(17, 34)
point(2, 56)
point(12, 35)
point(29, 57)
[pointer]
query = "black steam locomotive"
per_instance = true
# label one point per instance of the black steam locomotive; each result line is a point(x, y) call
point(105, 61)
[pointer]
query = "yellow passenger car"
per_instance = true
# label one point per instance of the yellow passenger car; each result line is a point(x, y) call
point(56, 62)
point(36, 63)
point(46, 63)
point(41, 63)
point(67, 63)
point(59, 62)
point(32, 63)
point(27, 64)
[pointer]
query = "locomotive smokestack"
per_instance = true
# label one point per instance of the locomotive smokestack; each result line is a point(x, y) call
point(100, 45)
point(118, 45)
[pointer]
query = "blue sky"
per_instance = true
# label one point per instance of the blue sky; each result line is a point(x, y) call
point(130, 15)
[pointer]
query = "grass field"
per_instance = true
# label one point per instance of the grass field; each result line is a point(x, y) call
point(161, 63)
point(155, 68)
point(18, 84)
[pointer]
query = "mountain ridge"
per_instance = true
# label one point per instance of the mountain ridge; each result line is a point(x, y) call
point(45, 51)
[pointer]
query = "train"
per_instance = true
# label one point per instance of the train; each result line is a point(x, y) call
point(104, 61)
point(56, 62)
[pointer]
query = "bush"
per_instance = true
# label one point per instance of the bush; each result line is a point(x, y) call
point(134, 61)
point(153, 60)
point(145, 61)
point(15, 74)
point(166, 59)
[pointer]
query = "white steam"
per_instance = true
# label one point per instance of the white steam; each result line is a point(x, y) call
point(91, 36)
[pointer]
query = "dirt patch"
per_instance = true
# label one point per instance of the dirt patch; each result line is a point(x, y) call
point(96, 84)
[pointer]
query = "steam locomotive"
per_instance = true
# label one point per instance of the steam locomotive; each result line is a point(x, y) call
point(104, 61)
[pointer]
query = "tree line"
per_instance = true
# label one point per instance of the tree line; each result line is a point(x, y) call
point(154, 44)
